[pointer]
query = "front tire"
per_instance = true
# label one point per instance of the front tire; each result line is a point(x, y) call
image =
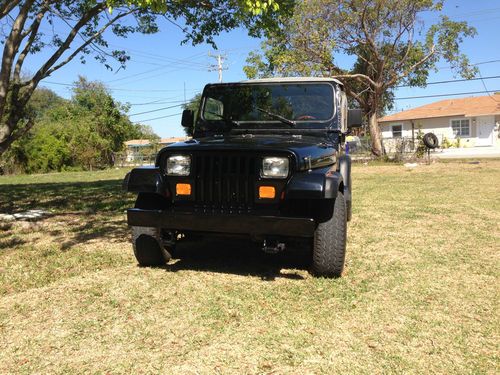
point(329, 245)
point(147, 247)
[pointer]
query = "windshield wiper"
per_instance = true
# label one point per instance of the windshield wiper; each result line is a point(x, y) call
point(276, 116)
point(227, 120)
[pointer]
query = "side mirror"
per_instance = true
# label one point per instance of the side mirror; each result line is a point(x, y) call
point(187, 118)
point(354, 118)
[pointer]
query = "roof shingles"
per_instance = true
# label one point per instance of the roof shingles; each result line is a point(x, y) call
point(468, 107)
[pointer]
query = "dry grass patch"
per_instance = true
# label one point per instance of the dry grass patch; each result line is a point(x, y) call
point(420, 293)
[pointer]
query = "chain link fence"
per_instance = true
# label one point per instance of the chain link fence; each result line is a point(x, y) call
point(130, 159)
point(401, 148)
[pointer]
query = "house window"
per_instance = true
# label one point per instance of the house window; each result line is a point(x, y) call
point(461, 128)
point(397, 131)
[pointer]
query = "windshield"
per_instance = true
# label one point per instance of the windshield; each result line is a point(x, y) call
point(288, 103)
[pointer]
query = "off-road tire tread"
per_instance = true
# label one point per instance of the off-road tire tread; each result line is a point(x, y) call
point(349, 206)
point(147, 251)
point(329, 244)
point(430, 140)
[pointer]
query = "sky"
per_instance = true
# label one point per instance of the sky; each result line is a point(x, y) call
point(162, 73)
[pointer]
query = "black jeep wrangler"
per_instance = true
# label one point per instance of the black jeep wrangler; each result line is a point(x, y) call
point(266, 162)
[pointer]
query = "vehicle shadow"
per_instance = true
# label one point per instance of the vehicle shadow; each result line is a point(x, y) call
point(81, 212)
point(239, 257)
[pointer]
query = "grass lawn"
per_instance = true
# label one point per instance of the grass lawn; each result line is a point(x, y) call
point(420, 292)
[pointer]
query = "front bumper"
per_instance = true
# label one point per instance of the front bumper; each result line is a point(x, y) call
point(220, 223)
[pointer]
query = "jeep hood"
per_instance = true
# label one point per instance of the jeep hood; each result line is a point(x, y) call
point(302, 147)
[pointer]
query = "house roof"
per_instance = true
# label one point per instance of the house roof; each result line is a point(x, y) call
point(138, 142)
point(172, 140)
point(147, 142)
point(468, 107)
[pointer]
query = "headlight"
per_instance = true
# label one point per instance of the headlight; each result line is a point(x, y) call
point(179, 165)
point(274, 167)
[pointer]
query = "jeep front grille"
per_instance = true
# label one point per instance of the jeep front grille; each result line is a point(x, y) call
point(225, 181)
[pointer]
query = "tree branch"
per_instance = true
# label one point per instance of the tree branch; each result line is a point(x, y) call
point(42, 72)
point(32, 32)
point(368, 36)
point(10, 49)
point(363, 78)
point(370, 63)
point(89, 41)
point(21, 132)
point(407, 52)
point(6, 6)
point(395, 78)
point(355, 96)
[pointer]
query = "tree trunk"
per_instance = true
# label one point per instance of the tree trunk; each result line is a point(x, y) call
point(9, 124)
point(4, 138)
point(375, 134)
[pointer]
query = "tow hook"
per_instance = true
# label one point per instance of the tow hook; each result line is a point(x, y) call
point(278, 247)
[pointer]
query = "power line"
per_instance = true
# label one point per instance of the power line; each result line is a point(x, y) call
point(452, 94)
point(475, 64)
point(156, 110)
point(159, 101)
point(403, 98)
point(115, 89)
point(484, 85)
point(159, 118)
point(149, 55)
point(156, 70)
point(142, 79)
point(458, 16)
point(453, 80)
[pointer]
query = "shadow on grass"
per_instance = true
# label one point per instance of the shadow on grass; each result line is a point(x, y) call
point(81, 212)
point(239, 257)
point(95, 196)
point(86, 228)
point(11, 242)
point(78, 212)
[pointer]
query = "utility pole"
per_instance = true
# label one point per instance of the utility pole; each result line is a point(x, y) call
point(219, 67)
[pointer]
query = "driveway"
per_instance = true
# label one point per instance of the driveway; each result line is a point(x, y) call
point(472, 152)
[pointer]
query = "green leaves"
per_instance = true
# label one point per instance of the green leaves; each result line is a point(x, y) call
point(389, 42)
point(446, 37)
point(81, 133)
point(257, 7)
point(87, 33)
point(386, 39)
point(157, 6)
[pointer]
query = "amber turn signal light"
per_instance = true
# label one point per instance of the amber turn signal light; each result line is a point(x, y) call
point(268, 192)
point(183, 189)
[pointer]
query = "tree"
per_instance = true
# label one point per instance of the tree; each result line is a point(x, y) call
point(392, 47)
point(82, 133)
point(16, 159)
point(97, 114)
point(87, 21)
point(143, 131)
point(193, 105)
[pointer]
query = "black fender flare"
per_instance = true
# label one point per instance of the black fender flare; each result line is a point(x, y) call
point(321, 183)
point(345, 170)
point(145, 180)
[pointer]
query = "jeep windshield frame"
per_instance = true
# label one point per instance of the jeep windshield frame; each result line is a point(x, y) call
point(300, 105)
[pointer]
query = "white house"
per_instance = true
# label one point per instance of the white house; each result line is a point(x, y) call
point(475, 121)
